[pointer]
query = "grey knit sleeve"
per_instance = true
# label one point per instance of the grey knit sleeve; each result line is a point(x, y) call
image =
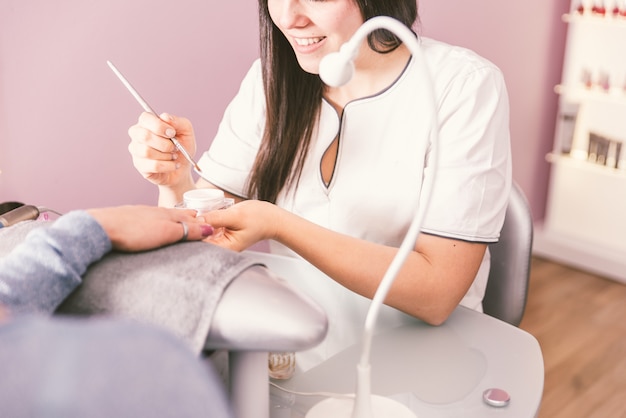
point(47, 266)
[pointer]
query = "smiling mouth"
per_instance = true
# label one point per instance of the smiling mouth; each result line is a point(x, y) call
point(308, 41)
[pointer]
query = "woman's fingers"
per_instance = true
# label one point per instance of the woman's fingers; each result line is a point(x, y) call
point(142, 136)
point(154, 154)
point(157, 125)
point(194, 229)
point(141, 150)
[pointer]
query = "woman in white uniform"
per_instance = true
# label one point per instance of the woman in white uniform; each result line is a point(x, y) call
point(334, 175)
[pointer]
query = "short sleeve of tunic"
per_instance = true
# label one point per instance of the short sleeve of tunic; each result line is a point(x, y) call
point(231, 156)
point(473, 181)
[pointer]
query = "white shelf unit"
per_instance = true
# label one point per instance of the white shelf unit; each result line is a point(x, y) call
point(585, 223)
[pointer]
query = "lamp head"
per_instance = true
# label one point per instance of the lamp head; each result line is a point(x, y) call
point(337, 68)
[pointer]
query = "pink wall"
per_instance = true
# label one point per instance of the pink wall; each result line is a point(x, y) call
point(64, 115)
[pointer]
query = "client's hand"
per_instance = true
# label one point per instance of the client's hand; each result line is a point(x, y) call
point(138, 228)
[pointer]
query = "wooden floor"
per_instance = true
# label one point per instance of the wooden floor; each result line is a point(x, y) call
point(579, 320)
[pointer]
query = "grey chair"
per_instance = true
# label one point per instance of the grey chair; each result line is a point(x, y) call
point(507, 287)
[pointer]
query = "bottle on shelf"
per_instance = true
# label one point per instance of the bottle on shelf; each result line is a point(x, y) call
point(598, 8)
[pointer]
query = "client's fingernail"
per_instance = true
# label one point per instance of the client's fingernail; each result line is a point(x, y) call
point(170, 133)
point(174, 155)
point(207, 230)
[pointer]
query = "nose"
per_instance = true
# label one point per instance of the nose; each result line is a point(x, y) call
point(290, 14)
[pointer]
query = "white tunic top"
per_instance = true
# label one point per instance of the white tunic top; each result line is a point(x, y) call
point(383, 157)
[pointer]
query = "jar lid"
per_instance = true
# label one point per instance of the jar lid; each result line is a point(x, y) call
point(202, 198)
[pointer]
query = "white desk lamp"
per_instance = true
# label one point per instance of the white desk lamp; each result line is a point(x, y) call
point(336, 69)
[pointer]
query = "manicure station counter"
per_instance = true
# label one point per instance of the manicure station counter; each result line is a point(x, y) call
point(437, 372)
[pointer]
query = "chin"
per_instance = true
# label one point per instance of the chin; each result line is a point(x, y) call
point(309, 66)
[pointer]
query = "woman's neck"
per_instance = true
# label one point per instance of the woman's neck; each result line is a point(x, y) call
point(374, 72)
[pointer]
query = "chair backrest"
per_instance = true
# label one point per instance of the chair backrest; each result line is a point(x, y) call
point(507, 287)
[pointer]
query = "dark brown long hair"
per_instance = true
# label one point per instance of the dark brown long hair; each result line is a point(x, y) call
point(294, 97)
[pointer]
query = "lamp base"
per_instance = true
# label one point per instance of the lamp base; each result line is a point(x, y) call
point(342, 408)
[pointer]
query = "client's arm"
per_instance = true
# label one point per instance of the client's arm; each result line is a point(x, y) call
point(44, 269)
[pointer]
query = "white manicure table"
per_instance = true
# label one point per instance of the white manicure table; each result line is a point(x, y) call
point(436, 371)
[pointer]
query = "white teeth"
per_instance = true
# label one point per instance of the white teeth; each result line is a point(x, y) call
point(307, 41)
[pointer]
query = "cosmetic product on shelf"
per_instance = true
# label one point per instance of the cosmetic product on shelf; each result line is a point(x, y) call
point(598, 8)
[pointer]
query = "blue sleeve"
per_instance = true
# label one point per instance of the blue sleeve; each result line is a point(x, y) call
point(47, 266)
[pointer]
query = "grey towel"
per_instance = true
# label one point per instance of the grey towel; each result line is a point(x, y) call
point(13, 235)
point(177, 287)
